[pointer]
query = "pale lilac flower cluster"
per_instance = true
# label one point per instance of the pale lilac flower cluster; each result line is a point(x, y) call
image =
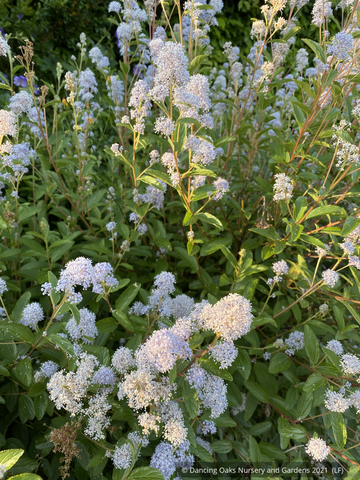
point(354, 261)
point(335, 346)
point(321, 12)
point(350, 364)
point(3, 286)
point(80, 272)
point(19, 159)
point(21, 102)
point(211, 390)
point(224, 353)
point(32, 315)
point(341, 46)
point(164, 126)
point(295, 341)
point(322, 252)
point(222, 186)
point(4, 46)
point(153, 195)
point(87, 84)
point(85, 330)
point(47, 370)
point(116, 91)
point(98, 58)
point(122, 456)
point(330, 278)
point(123, 360)
point(141, 105)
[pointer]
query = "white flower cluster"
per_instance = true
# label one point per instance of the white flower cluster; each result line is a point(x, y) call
point(317, 449)
point(69, 390)
point(282, 187)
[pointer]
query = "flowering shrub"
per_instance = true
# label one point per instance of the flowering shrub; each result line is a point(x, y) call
point(179, 267)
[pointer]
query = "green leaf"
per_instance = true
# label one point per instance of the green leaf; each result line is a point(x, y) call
point(94, 199)
point(26, 212)
point(257, 390)
point(23, 371)
point(295, 231)
point(123, 319)
point(106, 325)
point(311, 345)
point(40, 404)
point(350, 224)
point(196, 62)
point(279, 363)
point(19, 307)
point(189, 120)
point(327, 210)
point(299, 116)
point(201, 453)
point(75, 312)
point(260, 428)
point(243, 363)
point(339, 428)
point(37, 389)
point(33, 245)
point(296, 432)
point(224, 421)
point(214, 369)
point(191, 399)
point(222, 446)
point(26, 408)
point(146, 473)
point(304, 405)
point(254, 450)
point(151, 181)
point(352, 310)
point(21, 331)
point(208, 218)
point(61, 251)
point(314, 382)
point(10, 457)
point(293, 31)
point(127, 297)
point(63, 343)
point(25, 476)
point(316, 48)
point(189, 219)
point(4, 372)
point(229, 256)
